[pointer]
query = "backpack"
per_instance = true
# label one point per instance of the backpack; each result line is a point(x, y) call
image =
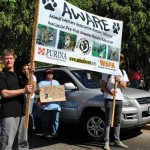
point(110, 76)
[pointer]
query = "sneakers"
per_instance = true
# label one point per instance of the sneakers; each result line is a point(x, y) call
point(117, 144)
point(120, 144)
point(106, 146)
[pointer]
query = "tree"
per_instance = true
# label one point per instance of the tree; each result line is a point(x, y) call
point(16, 25)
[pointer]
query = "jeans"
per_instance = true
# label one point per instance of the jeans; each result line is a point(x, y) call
point(10, 129)
point(117, 119)
point(50, 122)
point(31, 114)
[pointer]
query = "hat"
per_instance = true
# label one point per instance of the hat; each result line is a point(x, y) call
point(49, 71)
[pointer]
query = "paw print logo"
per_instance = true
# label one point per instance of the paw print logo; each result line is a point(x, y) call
point(116, 28)
point(49, 4)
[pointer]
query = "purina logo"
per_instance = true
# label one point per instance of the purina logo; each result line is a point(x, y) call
point(49, 4)
point(41, 51)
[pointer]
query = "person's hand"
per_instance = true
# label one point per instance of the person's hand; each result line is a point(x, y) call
point(117, 79)
point(113, 92)
point(28, 89)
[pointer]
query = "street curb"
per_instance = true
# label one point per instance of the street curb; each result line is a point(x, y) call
point(146, 127)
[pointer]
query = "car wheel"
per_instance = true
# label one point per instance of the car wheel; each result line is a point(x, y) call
point(93, 126)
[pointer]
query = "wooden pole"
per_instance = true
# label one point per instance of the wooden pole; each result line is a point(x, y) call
point(30, 81)
point(114, 104)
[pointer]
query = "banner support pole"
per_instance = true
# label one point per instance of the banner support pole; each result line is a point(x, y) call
point(114, 104)
point(30, 81)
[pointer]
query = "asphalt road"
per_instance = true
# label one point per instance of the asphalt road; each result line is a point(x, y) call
point(70, 138)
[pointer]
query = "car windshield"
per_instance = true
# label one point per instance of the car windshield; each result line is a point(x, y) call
point(89, 79)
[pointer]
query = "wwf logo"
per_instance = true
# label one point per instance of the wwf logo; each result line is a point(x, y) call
point(50, 5)
point(116, 28)
point(84, 46)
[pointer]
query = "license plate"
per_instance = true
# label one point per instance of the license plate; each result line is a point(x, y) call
point(149, 110)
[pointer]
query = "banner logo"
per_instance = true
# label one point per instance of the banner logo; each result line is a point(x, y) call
point(84, 46)
point(57, 55)
point(49, 5)
point(116, 28)
point(41, 51)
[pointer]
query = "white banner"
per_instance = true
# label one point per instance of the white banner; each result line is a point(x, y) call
point(69, 36)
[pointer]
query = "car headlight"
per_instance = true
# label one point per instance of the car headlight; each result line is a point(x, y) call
point(127, 102)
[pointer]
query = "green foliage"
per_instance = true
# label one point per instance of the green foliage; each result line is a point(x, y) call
point(16, 24)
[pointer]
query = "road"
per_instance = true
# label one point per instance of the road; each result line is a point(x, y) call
point(72, 139)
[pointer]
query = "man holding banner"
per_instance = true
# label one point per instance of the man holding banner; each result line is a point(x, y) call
point(107, 85)
point(13, 88)
point(50, 110)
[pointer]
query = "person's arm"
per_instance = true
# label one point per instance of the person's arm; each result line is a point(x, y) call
point(123, 81)
point(37, 90)
point(105, 89)
point(34, 84)
point(122, 84)
point(12, 93)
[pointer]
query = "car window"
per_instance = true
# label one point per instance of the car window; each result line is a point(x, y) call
point(62, 77)
point(39, 76)
point(59, 75)
point(89, 79)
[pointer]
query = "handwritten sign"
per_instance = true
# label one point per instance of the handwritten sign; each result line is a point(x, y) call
point(52, 93)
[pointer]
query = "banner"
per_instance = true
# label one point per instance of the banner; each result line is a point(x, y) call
point(69, 36)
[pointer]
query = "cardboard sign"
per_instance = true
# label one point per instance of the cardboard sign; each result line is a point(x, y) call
point(52, 93)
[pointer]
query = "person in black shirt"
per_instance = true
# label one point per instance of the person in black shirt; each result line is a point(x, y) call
point(13, 87)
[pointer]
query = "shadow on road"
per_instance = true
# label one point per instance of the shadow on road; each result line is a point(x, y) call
point(72, 135)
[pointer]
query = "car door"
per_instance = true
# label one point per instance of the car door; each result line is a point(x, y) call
point(69, 107)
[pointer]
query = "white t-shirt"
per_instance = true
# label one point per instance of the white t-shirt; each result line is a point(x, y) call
point(34, 80)
point(110, 84)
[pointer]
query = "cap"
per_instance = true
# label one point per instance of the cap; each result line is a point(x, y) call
point(49, 71)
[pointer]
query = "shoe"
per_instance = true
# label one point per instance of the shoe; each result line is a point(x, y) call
point(106, 146)
point(120, 144)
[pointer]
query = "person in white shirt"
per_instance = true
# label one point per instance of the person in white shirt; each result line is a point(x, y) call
point(107, 85)
point(25, 69)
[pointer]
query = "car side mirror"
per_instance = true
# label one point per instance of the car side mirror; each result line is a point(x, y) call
point(70, 86)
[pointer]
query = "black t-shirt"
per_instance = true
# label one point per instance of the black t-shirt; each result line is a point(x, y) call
point(15, 106)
